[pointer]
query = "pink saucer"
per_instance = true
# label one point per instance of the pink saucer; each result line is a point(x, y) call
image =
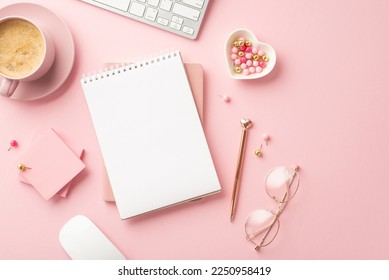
point(64, 49)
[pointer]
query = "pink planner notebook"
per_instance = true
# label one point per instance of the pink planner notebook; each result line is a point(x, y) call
point(195, 74)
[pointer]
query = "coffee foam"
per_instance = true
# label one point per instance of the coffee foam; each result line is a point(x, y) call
point(22, 48)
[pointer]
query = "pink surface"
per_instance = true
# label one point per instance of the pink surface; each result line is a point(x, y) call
point(325, 106)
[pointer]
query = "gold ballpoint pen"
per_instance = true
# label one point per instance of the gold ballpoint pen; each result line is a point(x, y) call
point(246, 124)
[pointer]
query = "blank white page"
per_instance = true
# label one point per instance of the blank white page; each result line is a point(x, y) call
point(150, 135)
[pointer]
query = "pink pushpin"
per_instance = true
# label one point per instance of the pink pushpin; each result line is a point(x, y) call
point(226, 98)
point(13, 143)
point(266, 137)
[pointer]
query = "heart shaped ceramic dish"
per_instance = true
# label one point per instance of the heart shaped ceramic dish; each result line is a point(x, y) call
point(248, 35)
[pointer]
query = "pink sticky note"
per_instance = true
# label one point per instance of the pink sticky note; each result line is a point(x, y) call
point(64, 191)
point(52, 165)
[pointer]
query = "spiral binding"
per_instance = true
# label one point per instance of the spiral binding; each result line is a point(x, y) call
point(125, 67)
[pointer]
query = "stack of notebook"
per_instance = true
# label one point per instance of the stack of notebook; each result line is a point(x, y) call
point(150, 135)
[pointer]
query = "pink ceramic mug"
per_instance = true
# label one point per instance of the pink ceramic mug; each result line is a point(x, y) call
point(26, 52)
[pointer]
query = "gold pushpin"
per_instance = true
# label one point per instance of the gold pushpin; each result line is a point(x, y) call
point(22, 166)
point(246, 124)
point(236, 43)
point(241, 43)
point(237, 69)
point(265, 58)
point(247, 43)
point(241, 53)
point(258, 152)
point(256, 57)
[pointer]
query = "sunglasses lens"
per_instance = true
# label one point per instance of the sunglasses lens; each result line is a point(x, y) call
point(261, 227)
point(281, 184)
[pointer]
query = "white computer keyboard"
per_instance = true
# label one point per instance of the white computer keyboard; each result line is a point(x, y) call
point(182, 17)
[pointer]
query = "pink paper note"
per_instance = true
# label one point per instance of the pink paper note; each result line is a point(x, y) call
point(64, 191)
point(52, 164)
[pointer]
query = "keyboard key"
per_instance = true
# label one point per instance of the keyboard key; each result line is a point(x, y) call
point(175, 26)
point(185, 11)
point(166, 5)
point(188, 30)
point(177, 19)
point(137, 9)
point(163, 21)
point(194, 3)
point(151, 14)
point(153, 3)
point(118, 4)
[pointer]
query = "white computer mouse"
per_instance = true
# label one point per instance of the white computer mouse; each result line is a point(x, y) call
point(82, 240)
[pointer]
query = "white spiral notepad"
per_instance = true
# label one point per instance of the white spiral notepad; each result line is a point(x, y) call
point(150, 135)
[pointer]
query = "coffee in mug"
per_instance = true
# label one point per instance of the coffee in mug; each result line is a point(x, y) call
point(22, 48)
point(26, 52)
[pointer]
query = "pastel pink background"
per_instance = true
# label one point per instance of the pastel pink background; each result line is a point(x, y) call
point(325, 106)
